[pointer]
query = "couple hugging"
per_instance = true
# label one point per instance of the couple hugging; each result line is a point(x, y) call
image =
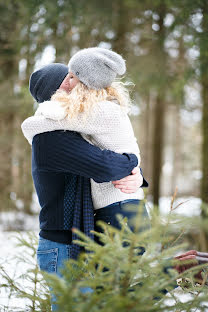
point(85, 158)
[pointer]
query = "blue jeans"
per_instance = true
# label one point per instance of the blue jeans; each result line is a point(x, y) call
point(108, 214)
point(51, 257)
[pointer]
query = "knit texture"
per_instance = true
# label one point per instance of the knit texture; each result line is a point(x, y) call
point(69, 200)
point(58, 162)
point(83, 218)
point(45, 81)
point(97, 67)
point(108, 127)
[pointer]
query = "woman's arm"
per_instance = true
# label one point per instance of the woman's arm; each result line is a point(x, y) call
point(50, 116)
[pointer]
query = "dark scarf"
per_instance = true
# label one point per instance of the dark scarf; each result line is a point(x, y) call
point(83, 216)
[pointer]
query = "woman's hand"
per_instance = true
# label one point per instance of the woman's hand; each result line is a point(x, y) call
point(131, 183)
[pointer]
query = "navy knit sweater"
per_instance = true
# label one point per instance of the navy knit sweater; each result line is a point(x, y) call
point(59, 160)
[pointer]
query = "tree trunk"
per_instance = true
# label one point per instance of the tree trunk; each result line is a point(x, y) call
point(204, 187)
point(7, 130)
point(159, 109)
point(158, 139)
point(176, 136)
point(204, 84)
point(120, 24)
point(147, 146)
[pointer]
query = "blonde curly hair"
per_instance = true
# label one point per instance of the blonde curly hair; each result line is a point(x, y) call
point(81, 99)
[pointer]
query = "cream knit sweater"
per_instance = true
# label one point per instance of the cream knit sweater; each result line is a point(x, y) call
point(107, 126)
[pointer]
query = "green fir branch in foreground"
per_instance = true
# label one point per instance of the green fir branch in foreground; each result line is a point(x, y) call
point(121, 279)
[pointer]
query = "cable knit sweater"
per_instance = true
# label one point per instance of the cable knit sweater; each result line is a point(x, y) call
point(107, 126)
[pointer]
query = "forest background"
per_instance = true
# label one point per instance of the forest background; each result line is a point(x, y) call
point(165, 44)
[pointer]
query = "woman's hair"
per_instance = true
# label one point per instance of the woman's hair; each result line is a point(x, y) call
point(82, 99)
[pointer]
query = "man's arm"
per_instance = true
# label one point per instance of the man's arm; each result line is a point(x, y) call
point(66, 151)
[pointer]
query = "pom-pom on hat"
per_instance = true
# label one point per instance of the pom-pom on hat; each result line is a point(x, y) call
point(97, 67)
point(46, 81)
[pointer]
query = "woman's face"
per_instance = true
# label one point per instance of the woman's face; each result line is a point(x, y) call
point(69, 82)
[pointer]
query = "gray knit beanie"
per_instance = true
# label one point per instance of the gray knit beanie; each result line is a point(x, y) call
point(97, 67)
point(46, 81)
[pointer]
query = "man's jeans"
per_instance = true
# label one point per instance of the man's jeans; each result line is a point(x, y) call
point(51, 257)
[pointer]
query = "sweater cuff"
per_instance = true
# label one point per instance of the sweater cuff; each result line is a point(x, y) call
point(133, 160)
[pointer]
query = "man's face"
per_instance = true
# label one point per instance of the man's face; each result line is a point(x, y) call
point(69, 82)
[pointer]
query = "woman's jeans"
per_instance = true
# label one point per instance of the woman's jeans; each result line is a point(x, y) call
point(108, 215)
point(127, 208)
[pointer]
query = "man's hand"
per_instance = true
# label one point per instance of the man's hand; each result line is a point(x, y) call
point(131, 183)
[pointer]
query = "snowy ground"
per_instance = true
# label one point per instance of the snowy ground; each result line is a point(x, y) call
point(9, 261)
point(187, 206)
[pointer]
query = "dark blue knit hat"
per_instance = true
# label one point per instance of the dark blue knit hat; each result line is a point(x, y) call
point(46, 81)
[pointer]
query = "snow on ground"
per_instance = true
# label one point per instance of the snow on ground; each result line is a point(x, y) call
point(8, 259)
point(18, 221)
point(187, 206)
